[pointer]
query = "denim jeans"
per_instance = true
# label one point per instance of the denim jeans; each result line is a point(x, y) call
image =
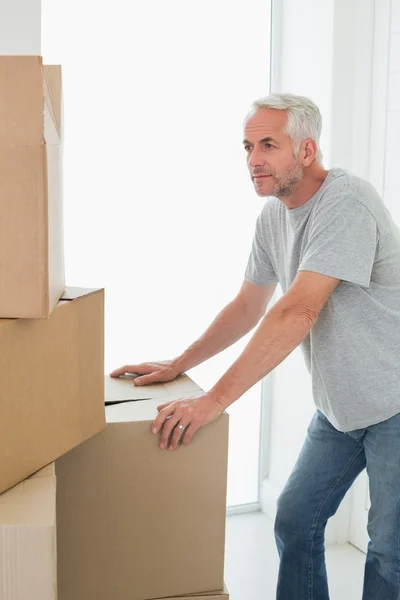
point(328, 464)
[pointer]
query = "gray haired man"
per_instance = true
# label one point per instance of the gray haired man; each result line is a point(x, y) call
point(327, 238)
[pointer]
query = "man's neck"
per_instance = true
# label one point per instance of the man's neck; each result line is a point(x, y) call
point(307, 188)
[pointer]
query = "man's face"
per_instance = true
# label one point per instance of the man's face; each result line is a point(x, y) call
point(273, 167)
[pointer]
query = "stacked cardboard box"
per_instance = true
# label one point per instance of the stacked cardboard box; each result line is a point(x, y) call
point(51, 388)
point(132, 521)
point(28, 565)
point(51, 337)
point(32, 277)
point(135, 521)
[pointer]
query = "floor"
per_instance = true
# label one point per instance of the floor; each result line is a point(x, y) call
point(251, 562)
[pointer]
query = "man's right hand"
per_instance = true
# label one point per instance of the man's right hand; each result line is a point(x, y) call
point(150, 372)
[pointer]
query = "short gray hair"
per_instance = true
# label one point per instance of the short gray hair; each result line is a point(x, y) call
point(304, 119)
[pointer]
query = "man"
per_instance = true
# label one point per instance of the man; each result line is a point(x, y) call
point(329, 241)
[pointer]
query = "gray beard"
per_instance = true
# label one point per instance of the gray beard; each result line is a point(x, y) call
point(286, 185)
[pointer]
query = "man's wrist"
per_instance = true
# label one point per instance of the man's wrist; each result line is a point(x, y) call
point(179, 364)
point(219, 398)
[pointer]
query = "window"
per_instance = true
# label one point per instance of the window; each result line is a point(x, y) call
point(159, 206)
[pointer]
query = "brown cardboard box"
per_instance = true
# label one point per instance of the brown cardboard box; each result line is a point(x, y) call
point(216, 595)
point(135, 521)
point(51, 384)
point(28, 558)
point(32, 277)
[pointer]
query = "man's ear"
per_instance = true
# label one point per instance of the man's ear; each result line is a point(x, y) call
point(308, 152)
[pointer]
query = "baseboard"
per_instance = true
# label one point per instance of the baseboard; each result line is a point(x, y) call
point(243, 509)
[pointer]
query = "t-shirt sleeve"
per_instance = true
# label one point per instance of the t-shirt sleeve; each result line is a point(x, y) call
point(342, 241)
point(259, 268)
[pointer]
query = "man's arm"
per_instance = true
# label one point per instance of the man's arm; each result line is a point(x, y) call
point(282, 329)
point(236, 319)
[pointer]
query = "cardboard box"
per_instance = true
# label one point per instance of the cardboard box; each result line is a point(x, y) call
point(217, 595)
point(135, 521)
point(28, 557)
point(32, 276)
point(51, 384)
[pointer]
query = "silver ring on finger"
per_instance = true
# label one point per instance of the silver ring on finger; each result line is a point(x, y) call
point(181, 427)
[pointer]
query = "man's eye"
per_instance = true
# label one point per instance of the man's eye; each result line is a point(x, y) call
point(269, 145)
point(247, 148)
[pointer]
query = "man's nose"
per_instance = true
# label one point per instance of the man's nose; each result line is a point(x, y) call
point(255, 159)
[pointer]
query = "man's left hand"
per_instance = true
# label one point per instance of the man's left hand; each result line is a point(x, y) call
point(178, 420)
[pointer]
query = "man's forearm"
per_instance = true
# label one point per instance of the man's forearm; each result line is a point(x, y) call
point(278, 334)
point(229, 326)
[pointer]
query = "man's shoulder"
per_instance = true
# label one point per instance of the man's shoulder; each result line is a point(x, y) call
point(345, 185)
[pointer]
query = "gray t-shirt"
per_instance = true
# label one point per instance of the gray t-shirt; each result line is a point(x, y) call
point(353, 350)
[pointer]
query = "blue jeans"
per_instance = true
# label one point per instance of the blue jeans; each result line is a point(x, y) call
point(327, 466)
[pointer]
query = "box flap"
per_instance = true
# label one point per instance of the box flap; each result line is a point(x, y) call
point(53, 95)
point(122, 390)
point(72, 293)
point(130, 412)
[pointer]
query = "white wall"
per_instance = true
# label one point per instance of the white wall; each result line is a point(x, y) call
point(317, 54)
point(384, 154)
point(391, 181)
point(20, 24)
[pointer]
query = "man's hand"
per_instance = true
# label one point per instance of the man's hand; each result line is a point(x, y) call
point(178, 420)
point(153, 372)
